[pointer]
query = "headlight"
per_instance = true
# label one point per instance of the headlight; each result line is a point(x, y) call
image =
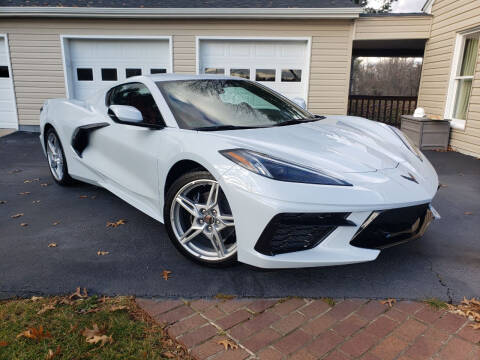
point(407, 142)
point(272, 168)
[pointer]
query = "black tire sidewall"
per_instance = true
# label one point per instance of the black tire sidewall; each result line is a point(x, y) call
point(66, 179)
point(169, 198)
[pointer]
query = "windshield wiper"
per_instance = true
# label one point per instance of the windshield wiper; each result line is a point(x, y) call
point(225, 127)
point(299, 121)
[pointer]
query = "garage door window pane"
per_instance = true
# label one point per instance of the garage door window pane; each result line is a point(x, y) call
point(132, 72)
point(158, 71)
point(291, 75)
point(109, 74)
point(215, 71)
point(4, 72)
point(84, 74)
point(265, 75)
point(243, 73)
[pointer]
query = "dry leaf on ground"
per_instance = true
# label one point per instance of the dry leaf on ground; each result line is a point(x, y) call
point(16, 216)
point(46, 308)
point(468, 213)
point(79, 294)
point(3, 343)
point(169, 355)
point(36, 202)
point(469, 309)
point(116, 223)
point(56, 223)
point(388, 302)
point(44, 185)
point(23, 224)
point(24, 193)
point(83, 196)
point(36, 298)
point(118, 308)
point(103, 339)
point(166, 274)
point(228, 344)
point(94, 331)
point(102, 253)
point(51, 355)
point(35, 334)
point(52, 245)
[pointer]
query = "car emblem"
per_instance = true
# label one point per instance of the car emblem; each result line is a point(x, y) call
point(410, 177)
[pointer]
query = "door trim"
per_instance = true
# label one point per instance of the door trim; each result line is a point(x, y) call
point(12, 84)
point(308, 39)
point(64, 38)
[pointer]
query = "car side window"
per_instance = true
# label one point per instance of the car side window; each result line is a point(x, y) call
point(138, 96)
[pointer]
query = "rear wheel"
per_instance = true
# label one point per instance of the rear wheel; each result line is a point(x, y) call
point(56, 158)
point(199, 220)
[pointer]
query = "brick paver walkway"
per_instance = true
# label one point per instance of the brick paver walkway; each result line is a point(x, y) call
point(311, 329)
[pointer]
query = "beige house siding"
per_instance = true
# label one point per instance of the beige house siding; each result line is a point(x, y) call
point(38, 74)
point(393, 27)
point(449, 18)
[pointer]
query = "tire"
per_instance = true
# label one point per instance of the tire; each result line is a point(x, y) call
point(197, 211)
point(57, 163)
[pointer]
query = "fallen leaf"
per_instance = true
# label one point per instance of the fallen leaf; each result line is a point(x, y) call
point(468, 213)
point(52, 245)
point(44, 185)
point(35, 334)
point(56, 223)
point(73, 328)
point(51, 354)
point(221, 296)
point(475, 326)
point(89, 333)
point(46, 308)
point(24, 193)
point(469, 308)
point(103, 339)
point(388, 302)
point(116, 223)
point(102, 253)
point(118, 308)
point(3, 343)
point(83, 196)
point(79, 294)
point(228, 344)
point(27, 181)
point(3, 201)
point(169, 355)
point(23, 224)
point(443, 185)
point(166, 274)
point(36, 202)
point(36, 298)
point(16, 216)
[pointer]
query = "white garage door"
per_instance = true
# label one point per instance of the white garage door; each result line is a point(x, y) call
point(96, 63)
point(279, 64)
point(8, 116)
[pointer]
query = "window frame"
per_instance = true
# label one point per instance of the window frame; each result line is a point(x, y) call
point(455, 78)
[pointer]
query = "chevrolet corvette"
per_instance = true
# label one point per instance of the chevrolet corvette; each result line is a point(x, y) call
point(238, 172)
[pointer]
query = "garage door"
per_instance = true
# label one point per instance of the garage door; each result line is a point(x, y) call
point(96, 63)
point(279, 64)
point(8, 115)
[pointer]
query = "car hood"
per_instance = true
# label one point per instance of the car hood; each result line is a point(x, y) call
point(340, 144)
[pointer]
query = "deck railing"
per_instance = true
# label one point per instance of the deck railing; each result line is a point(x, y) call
point(386, 109)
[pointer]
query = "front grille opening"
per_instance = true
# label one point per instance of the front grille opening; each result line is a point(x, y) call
point(292, 232)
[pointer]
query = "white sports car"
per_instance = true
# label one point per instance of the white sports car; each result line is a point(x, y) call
point(236, 171)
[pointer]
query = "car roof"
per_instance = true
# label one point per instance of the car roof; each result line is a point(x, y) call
point(173, 77)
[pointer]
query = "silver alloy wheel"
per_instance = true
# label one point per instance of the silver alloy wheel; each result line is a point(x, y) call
point(202, 222)
point(55, 156)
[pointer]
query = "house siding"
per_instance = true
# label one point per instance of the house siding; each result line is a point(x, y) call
point(38, 74)
point(450, 18)
point(393, 27)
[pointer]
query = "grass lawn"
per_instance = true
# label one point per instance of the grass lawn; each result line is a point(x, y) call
point(81, 327)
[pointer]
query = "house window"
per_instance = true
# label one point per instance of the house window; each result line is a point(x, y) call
point(265, 75)
point(243, 73)
point(291, 75)
point(109, 74)
point(132, 72)
point(4, 72)
point(85, 74)
point(464, 72)
point(216, 71)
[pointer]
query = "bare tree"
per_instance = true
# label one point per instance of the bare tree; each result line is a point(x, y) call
point(385, 6)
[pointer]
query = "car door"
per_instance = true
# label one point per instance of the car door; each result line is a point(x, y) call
point(126, 155)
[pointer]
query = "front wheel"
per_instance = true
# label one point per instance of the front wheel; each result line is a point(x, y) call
point(56, 158)
point(199, 220)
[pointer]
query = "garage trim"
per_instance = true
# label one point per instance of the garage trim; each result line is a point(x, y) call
point(64, 39)
point(9, 64)
point(308, 39)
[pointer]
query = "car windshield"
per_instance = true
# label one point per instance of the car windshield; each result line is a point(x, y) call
point(228, 104)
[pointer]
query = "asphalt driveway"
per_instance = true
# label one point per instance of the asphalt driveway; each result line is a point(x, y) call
point(445, 263)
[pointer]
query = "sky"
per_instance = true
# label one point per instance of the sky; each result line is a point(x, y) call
point(402, 5)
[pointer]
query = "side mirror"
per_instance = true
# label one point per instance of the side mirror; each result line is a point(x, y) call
point(300, 102)
point(125, 114)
